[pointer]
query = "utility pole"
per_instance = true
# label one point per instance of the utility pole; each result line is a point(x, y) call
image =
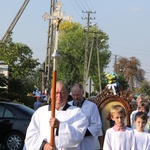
point(98, 58)
point(90, 55)
point(85, 76)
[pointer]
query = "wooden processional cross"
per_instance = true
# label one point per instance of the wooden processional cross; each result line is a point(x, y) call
point(56, 17)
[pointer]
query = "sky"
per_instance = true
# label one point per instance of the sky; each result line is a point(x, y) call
point(126, 23)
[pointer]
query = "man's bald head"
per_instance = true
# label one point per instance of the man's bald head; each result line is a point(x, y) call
point(77, 92)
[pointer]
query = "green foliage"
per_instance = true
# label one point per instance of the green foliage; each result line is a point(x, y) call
point(144, 88)
point(21, 70)
point(122, 82)
point(70, 66)
point(19, 59)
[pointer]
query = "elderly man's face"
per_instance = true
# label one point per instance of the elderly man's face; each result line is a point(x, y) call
point(61, 95)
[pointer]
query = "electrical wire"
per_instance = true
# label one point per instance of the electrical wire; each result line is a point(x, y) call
point(87, 5)
point(78, 5)
point(75, 8)
point(93, 14)
point(91, 5)
point(129, 48)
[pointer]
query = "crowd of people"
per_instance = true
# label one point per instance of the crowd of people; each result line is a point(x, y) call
point(77, 124)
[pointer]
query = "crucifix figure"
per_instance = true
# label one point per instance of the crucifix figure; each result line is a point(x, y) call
point(57, 16)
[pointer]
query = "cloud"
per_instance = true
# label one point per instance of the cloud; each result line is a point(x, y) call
point(135, 9)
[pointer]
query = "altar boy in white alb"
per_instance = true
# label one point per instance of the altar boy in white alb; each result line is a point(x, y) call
point(119, 137)
point(70, 125)
point(142, 138)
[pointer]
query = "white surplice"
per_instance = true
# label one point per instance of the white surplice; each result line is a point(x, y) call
point(142, 140)
point(73, 125)
point(119, 140)
point(95, 126)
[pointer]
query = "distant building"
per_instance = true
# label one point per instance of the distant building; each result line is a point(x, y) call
point(4, 70)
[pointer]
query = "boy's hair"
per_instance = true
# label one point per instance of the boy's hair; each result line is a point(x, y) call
point(117, 108)
point(142, 98)
point(141, 115)
point(144, 105)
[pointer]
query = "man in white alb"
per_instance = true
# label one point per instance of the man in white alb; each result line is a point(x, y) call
point(70, 125)
point(90, 109)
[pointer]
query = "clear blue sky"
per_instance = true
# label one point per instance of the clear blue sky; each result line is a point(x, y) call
point(126, 23)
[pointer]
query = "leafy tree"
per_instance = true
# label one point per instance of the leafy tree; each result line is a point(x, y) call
point(19, 59)
point(144, 87)
point(19, 89)
point(72, 52)
point(131, 70)
point(21, 69)
point(122, 82)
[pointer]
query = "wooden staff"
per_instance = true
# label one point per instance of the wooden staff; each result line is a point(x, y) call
point(54, 75)
point(52, 139)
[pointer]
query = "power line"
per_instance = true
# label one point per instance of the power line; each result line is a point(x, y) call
point(75, 9)
point(78, 5)
point(129, 48)
point(89, 8)
point(83, 5)
point(91, 4)
point(87, 5)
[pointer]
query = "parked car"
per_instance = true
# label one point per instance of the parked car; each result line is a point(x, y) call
point(14, 120)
